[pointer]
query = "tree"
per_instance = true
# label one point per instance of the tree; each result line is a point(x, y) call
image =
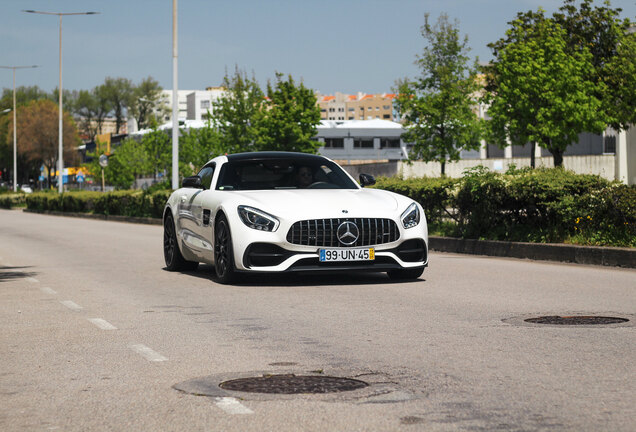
point(158, 145)
point(91, 109)
point(289, 118)
point(37, 136)
point(118, 92)
point(438, 107)
point(23, 95)
point(601, 31)
point(197, 147)
point(145, 100)
point(539, 90)
point(234, 114)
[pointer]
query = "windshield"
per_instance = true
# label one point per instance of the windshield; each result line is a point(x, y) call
point(283, 173)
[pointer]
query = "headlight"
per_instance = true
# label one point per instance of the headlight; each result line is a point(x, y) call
point(411, 217)
point(257, 219)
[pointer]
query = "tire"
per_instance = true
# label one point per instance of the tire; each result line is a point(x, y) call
point(223, 252)
point(171, 253)
point(405, 274)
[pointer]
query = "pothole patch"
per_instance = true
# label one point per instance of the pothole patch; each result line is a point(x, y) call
point(574, 320)
point(331, 385)
point(293, 384)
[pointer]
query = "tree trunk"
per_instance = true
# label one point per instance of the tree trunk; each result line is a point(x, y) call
point(533, 146)
point(444, 169)
point(558, 157)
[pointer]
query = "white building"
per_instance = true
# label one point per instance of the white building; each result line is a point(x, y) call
point(200, 103)
point(166, 99)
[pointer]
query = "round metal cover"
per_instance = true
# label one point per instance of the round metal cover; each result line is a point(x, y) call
point(576, 320)
point(293, 384)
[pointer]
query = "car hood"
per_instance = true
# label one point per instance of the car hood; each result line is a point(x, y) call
point(321, 203)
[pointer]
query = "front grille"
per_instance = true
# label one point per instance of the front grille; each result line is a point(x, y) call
point(323, 232)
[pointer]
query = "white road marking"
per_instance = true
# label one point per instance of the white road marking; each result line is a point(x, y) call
point(71, 305)
point(32, 280)
point(47, 290)
point(232, 406)
point(102, 324)
point(8, 264)
point(148, 353)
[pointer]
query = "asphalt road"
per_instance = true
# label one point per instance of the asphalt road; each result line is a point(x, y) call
point(95, 334)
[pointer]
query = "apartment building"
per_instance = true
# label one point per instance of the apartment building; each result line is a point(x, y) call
point(360, 106)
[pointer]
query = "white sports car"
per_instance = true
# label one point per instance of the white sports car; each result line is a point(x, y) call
point(283, 212)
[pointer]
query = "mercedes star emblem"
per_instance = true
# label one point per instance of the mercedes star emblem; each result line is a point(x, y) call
point(348, 233)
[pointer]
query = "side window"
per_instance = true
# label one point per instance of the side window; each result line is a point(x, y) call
point(206, 174)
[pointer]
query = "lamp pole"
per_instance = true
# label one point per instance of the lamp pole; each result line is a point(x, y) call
point(60, 162)
point(15, 139)
point(175, 101)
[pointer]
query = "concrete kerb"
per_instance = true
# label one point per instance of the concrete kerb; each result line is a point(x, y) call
point(590, 255)
point(115, 218)
point(594, 255)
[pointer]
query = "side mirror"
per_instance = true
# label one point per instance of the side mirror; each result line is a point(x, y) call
point(366, 180)
point(192, 182)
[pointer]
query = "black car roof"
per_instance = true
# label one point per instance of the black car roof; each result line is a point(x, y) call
point(272, 155)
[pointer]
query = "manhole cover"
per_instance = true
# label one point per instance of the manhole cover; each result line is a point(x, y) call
point(293, 384)
point(576, 320)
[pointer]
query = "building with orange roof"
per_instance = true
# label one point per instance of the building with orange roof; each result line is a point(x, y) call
point(361, 106)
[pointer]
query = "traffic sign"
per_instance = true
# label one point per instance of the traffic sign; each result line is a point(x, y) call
point(103, 161)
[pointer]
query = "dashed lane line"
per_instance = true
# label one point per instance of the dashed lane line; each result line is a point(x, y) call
point(71, 305)
point(102, 324)
point(232, 406)
point(32, 280)
point(47, 290)
point(148, 353)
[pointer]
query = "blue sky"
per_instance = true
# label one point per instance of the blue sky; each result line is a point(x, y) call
point(344, 45)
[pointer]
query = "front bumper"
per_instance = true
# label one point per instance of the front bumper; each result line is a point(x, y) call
point(268, 257)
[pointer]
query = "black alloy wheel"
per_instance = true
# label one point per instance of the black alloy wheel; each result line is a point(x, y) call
point(223, 252)
point(171, 253)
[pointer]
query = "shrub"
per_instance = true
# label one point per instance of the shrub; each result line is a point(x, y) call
point(434, 194)
point(124, 203)
point(541, 205)
point(10, 200)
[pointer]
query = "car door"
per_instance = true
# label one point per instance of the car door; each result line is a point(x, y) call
point(194, 219)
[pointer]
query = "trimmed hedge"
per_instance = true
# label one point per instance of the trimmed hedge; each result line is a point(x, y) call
point(122, 203)
point(540, 205)
point(11, 200)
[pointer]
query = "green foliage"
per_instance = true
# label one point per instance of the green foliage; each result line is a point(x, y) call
point(144, 100)
point(247, 121)
point(602, 31)
point(235, 112)
point(197, 147)
point(543, 205)
point(122, 203)
point(288, 120)
point(434, 194)
point(438, 106)
point(12, 200)
point(540, 91)
point(118, 92)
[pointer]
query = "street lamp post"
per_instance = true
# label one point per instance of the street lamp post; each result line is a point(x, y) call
point(175, 101)
point(15, 139)
point(60, 162)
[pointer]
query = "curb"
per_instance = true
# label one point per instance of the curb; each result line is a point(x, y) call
point(590, 255)
point(113, 218)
